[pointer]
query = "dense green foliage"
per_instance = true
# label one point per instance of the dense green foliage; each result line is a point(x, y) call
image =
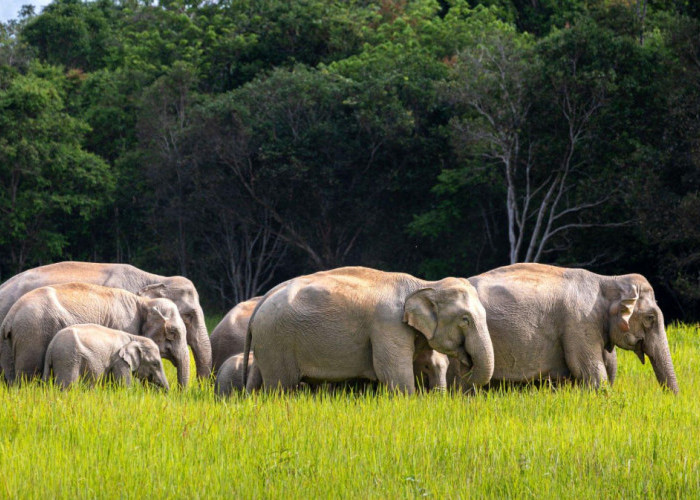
point(633, 440)
point(244, 142)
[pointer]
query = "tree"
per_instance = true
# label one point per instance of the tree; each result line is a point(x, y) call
point(49, 182)
point(496, 82)
point(163, 127)
point(305, 153)
point(72, 33)
point(14, 53)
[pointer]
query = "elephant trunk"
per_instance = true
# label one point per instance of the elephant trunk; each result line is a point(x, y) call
point(182, 363)
point(198, 340)
point(660, 357)
point(164, 384)
point(438, 376)
point(438, 382)
point(478, 345)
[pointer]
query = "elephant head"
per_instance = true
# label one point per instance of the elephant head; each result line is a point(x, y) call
point(164, 326)
point(184, 294)
point(452, 319)
point(637, 324)
point(433, 365)
point(143, 359)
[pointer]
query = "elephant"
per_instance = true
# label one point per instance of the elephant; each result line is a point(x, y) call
point(357, 322)
point(229, 376)
point(94, 351)
point(176, 288)
point(553, 322)
point(228, 338)
point(434, 365)
point(38, 315)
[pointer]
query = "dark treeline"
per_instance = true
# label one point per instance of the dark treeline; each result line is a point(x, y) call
point(242, 142)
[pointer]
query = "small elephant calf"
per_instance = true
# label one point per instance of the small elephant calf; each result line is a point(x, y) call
point(94, 351)
point(229, 376)
point(434, 366)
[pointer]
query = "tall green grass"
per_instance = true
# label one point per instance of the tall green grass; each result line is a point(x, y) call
point(633, 440)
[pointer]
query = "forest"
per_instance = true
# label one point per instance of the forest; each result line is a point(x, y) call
point(241, 143)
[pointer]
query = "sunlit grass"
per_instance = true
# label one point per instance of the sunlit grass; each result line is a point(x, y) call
point(633, 440)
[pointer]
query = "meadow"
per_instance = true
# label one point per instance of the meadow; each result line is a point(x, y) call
point(632, 440)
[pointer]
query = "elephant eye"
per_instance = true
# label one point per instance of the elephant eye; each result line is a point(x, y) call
point(467, 320)
point(649, 320)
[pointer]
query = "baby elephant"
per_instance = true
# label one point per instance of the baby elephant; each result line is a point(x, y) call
point(434, 366)
point(229, 376)
point(94, 351)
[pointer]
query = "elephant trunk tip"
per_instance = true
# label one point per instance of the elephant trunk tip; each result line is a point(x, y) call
point(479, 365)
point(660, 357)
point(673, 387)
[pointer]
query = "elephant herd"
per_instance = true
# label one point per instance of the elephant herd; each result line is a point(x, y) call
point(518, 323)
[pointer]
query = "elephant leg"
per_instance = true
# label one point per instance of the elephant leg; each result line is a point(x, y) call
point(587, 368)
point(583, 355)
point(254, 381)
point(279, 371)
point(65, 376)
point(29, 362)
point(7, 361)
point(610, 361)
point(393, 365)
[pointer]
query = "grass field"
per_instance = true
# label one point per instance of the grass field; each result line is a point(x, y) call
point(633, 440)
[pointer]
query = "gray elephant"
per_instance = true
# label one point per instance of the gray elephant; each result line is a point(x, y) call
point(552, 322)
point(93, 352)
point(228, 338)
point(38, 315)
point(356, 322)
point(229, 376)
point(430, 364)
point(176, 288)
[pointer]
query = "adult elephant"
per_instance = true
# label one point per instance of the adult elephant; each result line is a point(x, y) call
point(356, 322)
point(176, 288)
point(548, 321)
point(34, 320)
point(228, 338)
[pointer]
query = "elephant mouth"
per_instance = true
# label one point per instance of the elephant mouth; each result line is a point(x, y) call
point(158, 384)
point(466, 360)
point(639, 350)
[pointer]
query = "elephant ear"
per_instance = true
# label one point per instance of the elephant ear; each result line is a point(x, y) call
point(420, 311)
point(168, 330)
point(621, 309)
point(131, 354)
point(154, 291)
